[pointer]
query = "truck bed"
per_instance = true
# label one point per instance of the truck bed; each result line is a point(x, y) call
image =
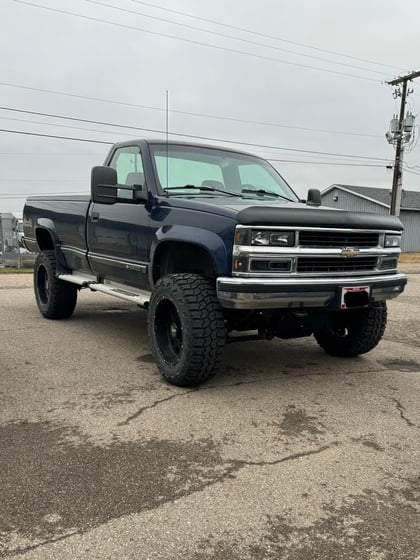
point(65, 217)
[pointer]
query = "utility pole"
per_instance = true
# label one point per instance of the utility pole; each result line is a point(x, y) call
point(399, 142)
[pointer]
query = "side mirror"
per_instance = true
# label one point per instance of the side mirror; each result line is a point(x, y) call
point(104, 185)
point(106, 190)
point(314, 197)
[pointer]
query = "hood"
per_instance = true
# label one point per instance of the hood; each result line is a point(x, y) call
point(227, 206)
point(278, 212)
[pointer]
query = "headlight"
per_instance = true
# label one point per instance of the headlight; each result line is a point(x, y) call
point(264, 237)
point(276, 238)
point(392, 240)
point(283, 238)
point(260, 238)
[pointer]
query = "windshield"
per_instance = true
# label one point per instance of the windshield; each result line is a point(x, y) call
point(193, 166)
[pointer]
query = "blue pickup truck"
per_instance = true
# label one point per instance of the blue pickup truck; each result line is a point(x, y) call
point(211, 242)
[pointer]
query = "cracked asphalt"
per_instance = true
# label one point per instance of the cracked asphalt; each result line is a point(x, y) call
point(287, 454)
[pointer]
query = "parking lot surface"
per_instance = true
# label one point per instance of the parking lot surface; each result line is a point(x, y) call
point(287, 454)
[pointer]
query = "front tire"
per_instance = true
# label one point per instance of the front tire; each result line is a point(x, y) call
point(354, 332)
point(55, 299)
point(186, 329)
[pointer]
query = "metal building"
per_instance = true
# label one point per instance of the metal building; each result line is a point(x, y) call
point(378, 201)
point(12, 252)
point(8, 239)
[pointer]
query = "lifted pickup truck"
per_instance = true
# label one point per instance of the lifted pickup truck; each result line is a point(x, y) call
point(212, 241)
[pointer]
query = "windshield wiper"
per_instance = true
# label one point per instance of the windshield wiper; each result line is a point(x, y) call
point(270, 193)
point(201, 188)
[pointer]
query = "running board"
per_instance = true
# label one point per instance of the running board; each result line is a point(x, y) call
point(139, 297)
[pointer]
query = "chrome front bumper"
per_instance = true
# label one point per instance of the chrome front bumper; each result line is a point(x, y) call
point(270, 293)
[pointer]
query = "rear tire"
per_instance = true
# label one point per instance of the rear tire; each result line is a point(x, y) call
point(354, 332)
point(186, 329)
point(55, 299)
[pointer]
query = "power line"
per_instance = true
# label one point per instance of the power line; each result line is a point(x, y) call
point(253, 32)
point(330, 160)
point(89, 98)
point(194, 136)
point(83, 180)
point(25, 195)
point(218, 34)
point(25, 133)
point(51, 115)
point(53, 154)
point(201, 115)
point(411, 171)
point(193, 42)
point(303, 157)
point(7, 180)
point(69, 126)
point(327, 163)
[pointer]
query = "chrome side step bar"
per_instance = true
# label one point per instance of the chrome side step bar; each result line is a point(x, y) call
point(134, 295)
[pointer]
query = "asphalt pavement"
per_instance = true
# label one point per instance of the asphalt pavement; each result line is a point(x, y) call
point(287, 454)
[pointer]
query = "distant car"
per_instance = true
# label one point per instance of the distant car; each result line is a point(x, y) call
point(19, 234)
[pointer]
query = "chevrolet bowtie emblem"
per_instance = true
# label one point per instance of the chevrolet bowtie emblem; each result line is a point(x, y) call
point(350, 252)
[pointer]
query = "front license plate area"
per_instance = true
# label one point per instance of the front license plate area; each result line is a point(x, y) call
point(358, 296)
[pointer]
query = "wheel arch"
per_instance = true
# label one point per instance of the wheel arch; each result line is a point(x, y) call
point(47, 240)
point(187, 250)
point(45, 234)
point(173, 257)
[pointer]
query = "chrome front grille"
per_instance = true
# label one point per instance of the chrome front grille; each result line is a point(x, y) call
point(335, 264)
point(314, 252)
point(334, 239)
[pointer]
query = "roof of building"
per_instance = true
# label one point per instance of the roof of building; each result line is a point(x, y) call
point(410, 200)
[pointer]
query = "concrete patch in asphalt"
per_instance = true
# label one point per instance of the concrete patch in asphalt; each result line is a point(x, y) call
point(59, 483)
point(375, 525)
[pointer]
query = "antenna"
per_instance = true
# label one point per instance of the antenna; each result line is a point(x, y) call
point(167, 138)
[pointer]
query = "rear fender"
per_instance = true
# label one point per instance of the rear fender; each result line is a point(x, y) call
point(47, 239)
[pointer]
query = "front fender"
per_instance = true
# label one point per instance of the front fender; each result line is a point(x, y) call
point(207, 240)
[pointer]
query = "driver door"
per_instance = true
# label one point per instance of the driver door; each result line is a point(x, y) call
point(119, 234)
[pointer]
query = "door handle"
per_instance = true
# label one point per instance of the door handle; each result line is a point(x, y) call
point(95, 216)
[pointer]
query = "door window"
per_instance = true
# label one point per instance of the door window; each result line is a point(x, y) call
point(129, 166)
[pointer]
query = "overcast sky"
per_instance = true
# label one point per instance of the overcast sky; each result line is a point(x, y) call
point(82, 57)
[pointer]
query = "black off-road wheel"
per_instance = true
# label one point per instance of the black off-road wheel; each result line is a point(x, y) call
point(354, 332)
point(55, 299)
point(186, 329)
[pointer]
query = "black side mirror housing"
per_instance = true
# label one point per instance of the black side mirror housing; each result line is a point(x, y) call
point(106, 190)
point(104, 185)
point(314, 197)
